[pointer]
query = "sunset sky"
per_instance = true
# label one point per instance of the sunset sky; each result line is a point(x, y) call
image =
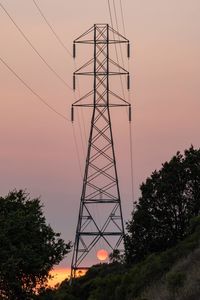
point(37, 146)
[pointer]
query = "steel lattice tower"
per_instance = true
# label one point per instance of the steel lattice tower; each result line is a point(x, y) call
point(100, 182)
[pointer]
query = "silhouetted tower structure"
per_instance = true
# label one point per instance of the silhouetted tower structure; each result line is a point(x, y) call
point(100, 191)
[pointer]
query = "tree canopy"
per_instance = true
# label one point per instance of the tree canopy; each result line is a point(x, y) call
point(169, 198)
point(28, 246)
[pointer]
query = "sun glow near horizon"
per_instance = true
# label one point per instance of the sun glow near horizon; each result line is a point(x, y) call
point(58, 276)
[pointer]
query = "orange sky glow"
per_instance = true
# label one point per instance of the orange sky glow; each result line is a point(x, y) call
point(59, 275)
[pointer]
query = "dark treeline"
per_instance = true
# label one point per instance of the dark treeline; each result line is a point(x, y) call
point(162, 254)
point(173, 274)
point(29, 248)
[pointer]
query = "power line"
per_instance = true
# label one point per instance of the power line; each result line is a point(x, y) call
point(34, 49)
point(51, 28)
point(115, 12)
point(117, 24)
point(120, 47)
point(130, 127)
point(69, 53)
point(31, 90)
point(62, 44)
point(77, 152)
point(116, 52)
point(46, 104)
point(131, 158)
point(122, 15)
point(110, 13)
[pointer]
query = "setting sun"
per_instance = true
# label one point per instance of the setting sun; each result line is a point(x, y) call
point(102, 254)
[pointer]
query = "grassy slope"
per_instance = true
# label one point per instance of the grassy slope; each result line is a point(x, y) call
point(182, 282)
point(171, 275)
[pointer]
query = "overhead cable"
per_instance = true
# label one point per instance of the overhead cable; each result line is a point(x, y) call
point(34, 49)
point(62, 44)
point(46, 104)
point(129, 99)
point(122, 15)
point(116, 52)
point(51, 28)
point(110, 13)
point(116, 19)
point(59, 40)
point(130, 125)
point(31, 90)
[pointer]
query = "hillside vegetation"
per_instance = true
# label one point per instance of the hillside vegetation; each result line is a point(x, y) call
point(172, 274)
point(162, 251)
point(162, 244)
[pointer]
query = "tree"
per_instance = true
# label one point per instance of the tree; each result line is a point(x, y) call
point(115, 256)
point(169, 198)
point(28, 246)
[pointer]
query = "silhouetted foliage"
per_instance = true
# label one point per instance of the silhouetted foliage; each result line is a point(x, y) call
point(116, 256)
point(28, 246)
point(170, 198)
point(117, 281)
point(166, 220)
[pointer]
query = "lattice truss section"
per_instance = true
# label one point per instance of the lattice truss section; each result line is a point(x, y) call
point(100, 183)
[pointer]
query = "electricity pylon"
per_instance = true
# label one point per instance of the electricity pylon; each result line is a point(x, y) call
point(100, 189)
